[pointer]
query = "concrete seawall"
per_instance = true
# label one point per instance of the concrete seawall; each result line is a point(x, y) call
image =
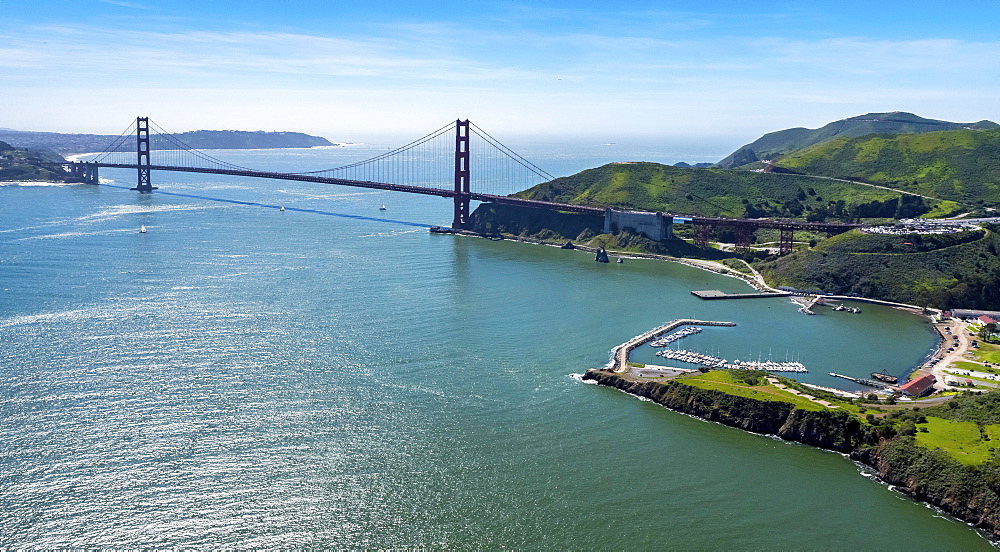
point(710, 294)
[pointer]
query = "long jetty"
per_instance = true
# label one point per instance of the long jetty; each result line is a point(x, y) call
point(710, 294)
point(863, 381)
point(619, 355)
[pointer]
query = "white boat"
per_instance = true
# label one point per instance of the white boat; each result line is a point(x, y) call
point(282, 208)
point(142, 229)
point(382, 208)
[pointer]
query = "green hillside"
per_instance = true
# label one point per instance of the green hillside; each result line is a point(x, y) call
point(961, 165)
point(944, 271)
point(20, 164)
point(717, 192)
point(781, 142)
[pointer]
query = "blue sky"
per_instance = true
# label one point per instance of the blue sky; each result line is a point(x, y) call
point(721, 72)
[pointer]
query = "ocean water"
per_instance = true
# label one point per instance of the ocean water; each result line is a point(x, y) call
point(334, 375)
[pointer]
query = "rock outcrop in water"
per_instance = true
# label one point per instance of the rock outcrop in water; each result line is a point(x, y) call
point(969, 493)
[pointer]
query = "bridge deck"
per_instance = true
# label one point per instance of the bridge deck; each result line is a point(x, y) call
point(506, 200)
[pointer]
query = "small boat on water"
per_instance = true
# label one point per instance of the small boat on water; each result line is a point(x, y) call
point(885, 376)
point(382, 208)
point(142, 229)
point(620, 260)
point(282, 208)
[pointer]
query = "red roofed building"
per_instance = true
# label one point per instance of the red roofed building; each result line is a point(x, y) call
point(919, 386)
point(987, 320)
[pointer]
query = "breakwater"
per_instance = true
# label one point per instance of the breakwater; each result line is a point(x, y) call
point(710, 294)
point(619, 355)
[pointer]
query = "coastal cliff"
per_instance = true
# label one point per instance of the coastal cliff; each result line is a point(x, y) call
point(969, 493)
point(493, 218)
point(831, 429)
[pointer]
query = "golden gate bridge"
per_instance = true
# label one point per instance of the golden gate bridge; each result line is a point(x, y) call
point(441, 163)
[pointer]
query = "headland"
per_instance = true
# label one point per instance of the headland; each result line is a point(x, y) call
point(911, 445)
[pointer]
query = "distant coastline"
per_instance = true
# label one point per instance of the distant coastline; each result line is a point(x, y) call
point(73, 144)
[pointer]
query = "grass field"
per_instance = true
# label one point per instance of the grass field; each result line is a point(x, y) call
point(988, 352)
point(721, 380)
point(961, 365)
point(962, 440)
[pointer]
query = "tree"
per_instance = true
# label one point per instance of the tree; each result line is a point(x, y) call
point(987, 331)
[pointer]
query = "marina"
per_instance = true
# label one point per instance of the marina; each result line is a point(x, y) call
point(668, 339)
point(722, 364)
point(620, 354)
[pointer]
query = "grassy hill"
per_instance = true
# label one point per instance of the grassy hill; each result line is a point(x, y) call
point(781, 142)
point(944, 271)
point(717, 192)
point(21, 164)
point(961, 165)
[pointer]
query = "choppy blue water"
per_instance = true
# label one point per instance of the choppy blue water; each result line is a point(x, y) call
point(244, 377)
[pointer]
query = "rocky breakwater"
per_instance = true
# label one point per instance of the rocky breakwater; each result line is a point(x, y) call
point(969, 493)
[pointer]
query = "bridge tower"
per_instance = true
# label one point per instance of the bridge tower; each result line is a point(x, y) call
point(143, 186)
point(787, 243)
point(462, 188)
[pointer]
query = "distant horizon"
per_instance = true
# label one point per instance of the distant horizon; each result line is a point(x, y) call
point(705, 148)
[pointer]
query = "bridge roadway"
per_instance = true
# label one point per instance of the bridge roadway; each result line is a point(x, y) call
point(507, 200)
point(439, 192)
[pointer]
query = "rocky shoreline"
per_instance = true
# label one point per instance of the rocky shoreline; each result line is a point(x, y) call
point(895, 460)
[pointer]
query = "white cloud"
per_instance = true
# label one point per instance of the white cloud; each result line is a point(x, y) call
point(411, 78)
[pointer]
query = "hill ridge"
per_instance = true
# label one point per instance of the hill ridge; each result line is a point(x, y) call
point(774, 144)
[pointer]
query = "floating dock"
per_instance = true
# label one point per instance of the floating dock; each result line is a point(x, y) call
point(619, 355)
point(710, 294)
point(715, 362)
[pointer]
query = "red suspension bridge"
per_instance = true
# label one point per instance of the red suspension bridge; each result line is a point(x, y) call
point(442, 163)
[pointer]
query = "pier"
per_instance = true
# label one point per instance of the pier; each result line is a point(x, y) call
point(710, 294)
point(862, 381)
point(619, 355)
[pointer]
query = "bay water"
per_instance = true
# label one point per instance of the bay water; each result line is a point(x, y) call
point(334, 375)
